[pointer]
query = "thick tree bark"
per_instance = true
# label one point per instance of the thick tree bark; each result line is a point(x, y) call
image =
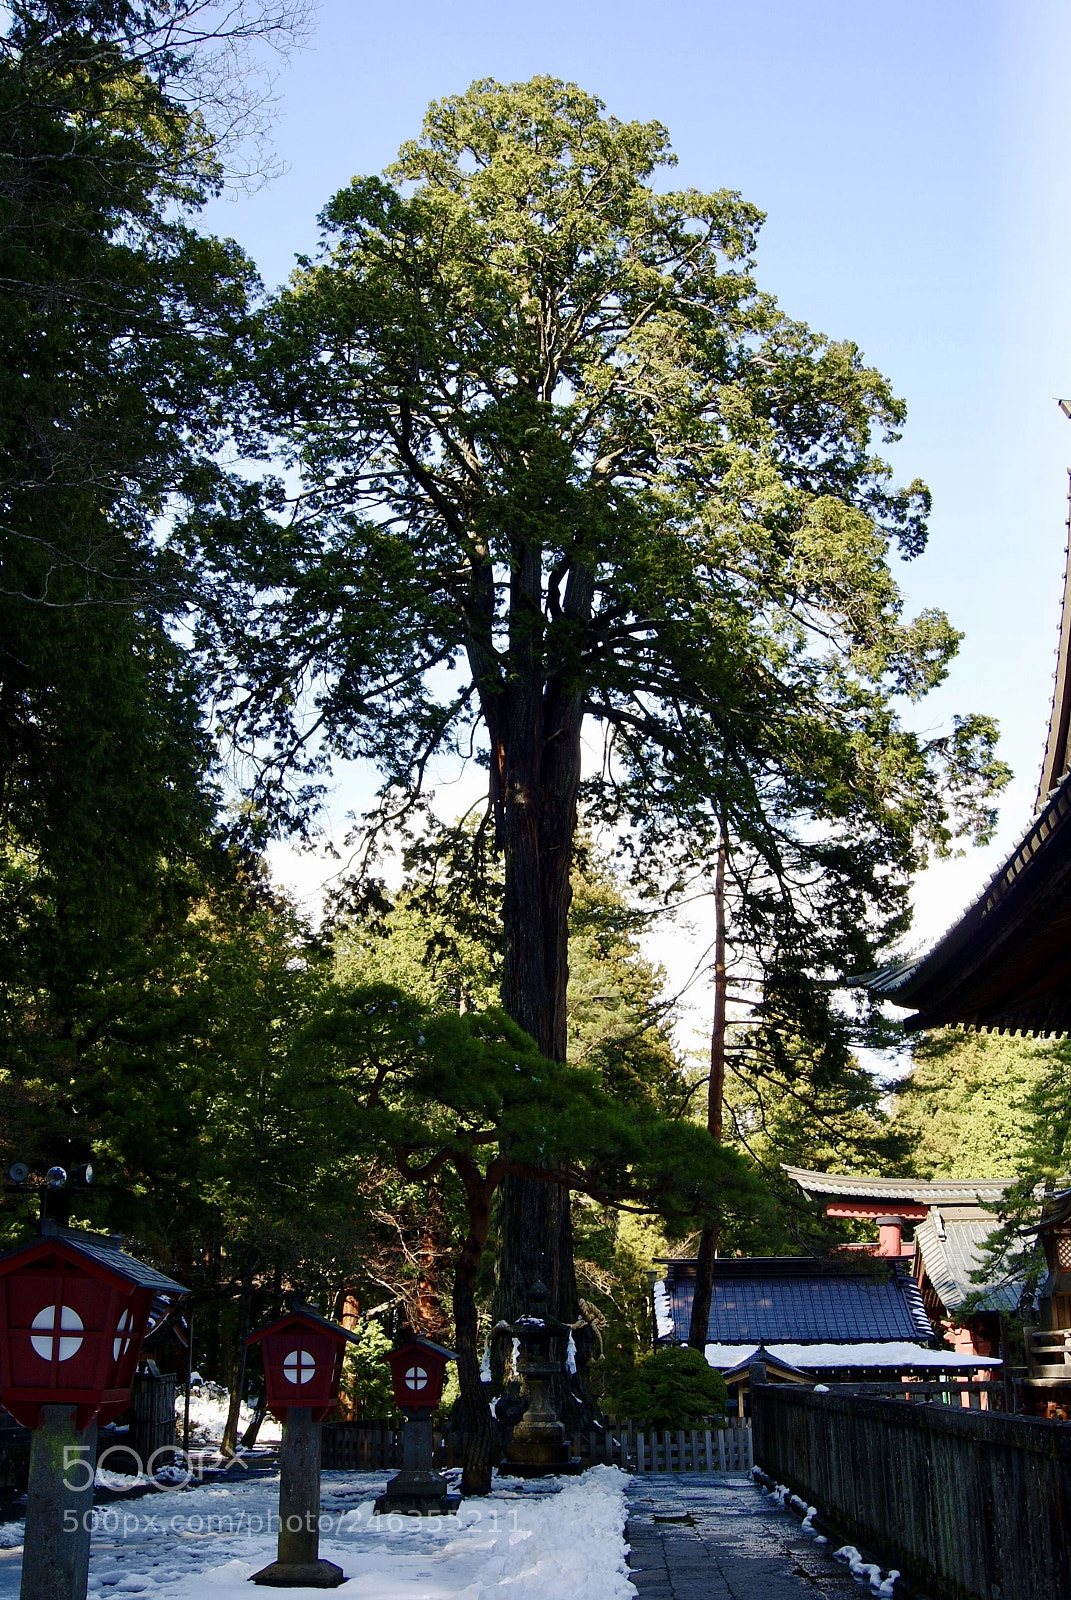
point(429, 1316)
point(708, 1243)
point(538, 763)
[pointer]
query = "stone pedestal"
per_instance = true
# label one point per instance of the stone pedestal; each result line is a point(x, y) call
point(298, 1565)
point(418, 1490)
point(538, 1447)
point(59, 1507)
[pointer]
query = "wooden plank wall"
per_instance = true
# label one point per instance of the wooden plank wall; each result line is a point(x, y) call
point(969, 1505)
point(375, 1445)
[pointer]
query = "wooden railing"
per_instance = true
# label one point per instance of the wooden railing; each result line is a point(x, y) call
point(967, 1504)
point(1048, 1353)
point(972, 1396)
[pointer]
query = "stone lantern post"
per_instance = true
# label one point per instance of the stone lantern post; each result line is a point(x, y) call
point(538, 1447)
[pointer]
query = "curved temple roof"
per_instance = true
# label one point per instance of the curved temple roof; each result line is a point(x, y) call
point(1006, 963)
point(951, 1253)
point(947, 1191)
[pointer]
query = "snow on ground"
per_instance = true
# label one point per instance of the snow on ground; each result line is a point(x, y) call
point(559, 1539)
point(208, 1414)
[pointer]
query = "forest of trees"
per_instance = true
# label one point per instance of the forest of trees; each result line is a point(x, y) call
point(524, 463)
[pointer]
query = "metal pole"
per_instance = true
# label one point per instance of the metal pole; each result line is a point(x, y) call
point(186, 1402)
point(59, 1507)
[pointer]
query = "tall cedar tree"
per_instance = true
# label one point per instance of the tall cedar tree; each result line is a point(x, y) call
point(561, 462)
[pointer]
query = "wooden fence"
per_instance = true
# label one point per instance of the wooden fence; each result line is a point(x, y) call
point(972, 1396)
point(708, 1450)
point(14, 1458)
point(969, 1505)
point(376, 1445)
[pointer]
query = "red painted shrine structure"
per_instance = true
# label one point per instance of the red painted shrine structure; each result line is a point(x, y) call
point(949, 1221)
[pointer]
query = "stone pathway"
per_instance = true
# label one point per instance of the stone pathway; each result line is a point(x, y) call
point(696, 1537)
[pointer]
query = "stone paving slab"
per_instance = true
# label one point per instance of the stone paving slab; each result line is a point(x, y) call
point(699, 1537)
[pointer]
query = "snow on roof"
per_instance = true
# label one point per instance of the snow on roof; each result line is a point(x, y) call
point(894, 1354)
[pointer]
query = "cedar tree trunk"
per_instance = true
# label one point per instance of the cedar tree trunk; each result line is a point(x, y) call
point(708, 1243)
point(535, 723)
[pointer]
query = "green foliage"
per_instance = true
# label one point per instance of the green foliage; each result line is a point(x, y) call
point(618, 1018)
point(792, 1115)
point(366, 1382)
point(439, 940)
point(594, 391)
point(983, 1105)
point(416, 945)
point(119, 329)
point(615, 1251)
point(388, 1074)
point(980, 1105)
point(673, 1388)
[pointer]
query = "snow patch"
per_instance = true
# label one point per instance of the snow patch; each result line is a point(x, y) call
point(208, 1416)
point(895, 1355)
point(866, 1572)
point(562, 1540)
point(663, 1313)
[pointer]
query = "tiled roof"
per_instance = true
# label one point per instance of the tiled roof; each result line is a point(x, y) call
point(951, 1251)
point(1007, 962)
point(917, 1190)
point(802, 1301)
point(136, 1271)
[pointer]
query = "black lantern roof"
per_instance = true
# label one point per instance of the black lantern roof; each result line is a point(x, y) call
point(103, 1253)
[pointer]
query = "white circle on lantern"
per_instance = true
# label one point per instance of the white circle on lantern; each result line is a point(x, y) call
point(52, 1321)
point(121, 1342)
point(416, 1378)
point(298, 1366)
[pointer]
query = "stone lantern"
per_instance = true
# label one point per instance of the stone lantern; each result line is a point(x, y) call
point(302, 1373)
point(538, 1447)
point(74, 1311)
point(417, 1369)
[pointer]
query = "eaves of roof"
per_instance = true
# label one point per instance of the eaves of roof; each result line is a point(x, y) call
point(950, 983)
point(916, 1190)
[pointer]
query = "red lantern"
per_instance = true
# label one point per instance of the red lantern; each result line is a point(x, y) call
point(74, 1311)
point(417, 1369)
point(302, 1362)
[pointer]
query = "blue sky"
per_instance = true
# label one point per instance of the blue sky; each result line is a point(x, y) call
point(912, 159)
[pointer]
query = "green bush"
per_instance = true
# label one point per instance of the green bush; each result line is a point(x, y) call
point(673, 1388)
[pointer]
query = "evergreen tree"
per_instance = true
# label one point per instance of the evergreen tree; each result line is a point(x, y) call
point(562, 463)
point(120, 327)
point(978, 1105)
